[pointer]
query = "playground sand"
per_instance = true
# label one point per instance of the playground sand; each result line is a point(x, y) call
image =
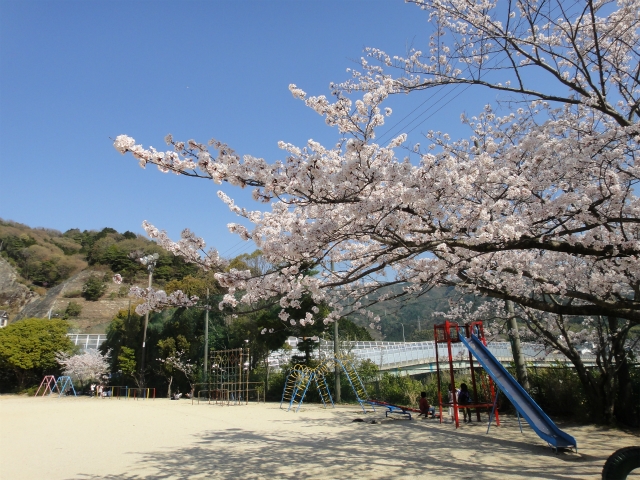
point(83, 438)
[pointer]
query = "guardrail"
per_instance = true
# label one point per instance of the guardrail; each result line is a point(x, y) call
point(393, 355)
point(119, 391)
point(87, 341)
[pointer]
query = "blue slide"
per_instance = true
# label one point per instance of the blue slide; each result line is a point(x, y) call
point(533, 414)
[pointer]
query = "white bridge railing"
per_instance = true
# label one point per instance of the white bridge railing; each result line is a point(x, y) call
point(386, 355)
point(392, 355)
point(87, 341)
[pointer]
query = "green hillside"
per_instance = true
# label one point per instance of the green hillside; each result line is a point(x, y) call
point(414, 314)
point(47, 258)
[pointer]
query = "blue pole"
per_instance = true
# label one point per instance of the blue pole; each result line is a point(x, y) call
point(493, 410)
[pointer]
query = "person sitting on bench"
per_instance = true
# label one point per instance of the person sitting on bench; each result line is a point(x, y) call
point(464, 399)
point(425, 408)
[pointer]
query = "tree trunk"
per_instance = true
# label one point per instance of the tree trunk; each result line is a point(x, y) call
point(600, 391)
point(20, 375)
point(169, 389)
point(516, 348)
point(626, 410)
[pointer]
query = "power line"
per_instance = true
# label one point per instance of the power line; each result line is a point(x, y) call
point(432, 105)
point(406, 116)
point(228, 250)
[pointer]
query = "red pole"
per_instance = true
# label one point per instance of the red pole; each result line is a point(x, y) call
point(452, 390)
point(435, 337)
point(469, 332)
point(493, 392)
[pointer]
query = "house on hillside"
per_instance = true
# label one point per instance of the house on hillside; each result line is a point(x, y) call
point(4, 318)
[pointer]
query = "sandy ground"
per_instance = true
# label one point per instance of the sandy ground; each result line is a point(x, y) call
point(83, 438)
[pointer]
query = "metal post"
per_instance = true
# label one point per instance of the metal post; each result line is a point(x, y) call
point(468, 333)
point(336, 352)
point(144, 338)
point(435, 338)
point(493, 410)
point(448, 325)
point(519, 423)
point(206, 339)
point(516, 348)
point(246, 387)
point(150, 262)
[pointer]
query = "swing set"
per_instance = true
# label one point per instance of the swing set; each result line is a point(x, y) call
point(61, 385)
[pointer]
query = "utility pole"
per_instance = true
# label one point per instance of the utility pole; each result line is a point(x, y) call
point(150, 262)
point(336, 352)
point(516, 348)
point(206, 338)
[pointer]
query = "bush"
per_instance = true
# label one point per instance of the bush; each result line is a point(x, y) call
point(558, 391)
point(628, 407)
point(73, 294)
point(94, 288)
point(73, 309)
point(28, 350)
point(400, 390)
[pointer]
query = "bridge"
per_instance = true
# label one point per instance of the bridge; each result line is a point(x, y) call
point(87, 341)
point(401, 358)
point(414, 358)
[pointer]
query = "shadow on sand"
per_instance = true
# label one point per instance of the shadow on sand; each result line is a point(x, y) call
point(337, 448)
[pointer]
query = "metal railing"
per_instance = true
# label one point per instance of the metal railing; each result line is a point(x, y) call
point(119, 391)
point(87, 341)
point(226, 394)
point(392, 355)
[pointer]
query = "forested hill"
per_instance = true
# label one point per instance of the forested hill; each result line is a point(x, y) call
point(68, 274)
point(412, 318)
point(45, 257)
point(47, 270)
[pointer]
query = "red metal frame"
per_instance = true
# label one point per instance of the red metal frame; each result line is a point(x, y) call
point(449, 333)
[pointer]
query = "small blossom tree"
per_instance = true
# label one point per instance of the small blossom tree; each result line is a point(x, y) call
point(91, 365)
point(180, 363)
point(171, 349)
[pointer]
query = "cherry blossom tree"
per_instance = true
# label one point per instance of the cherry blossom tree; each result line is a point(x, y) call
point(157, 299)
point(537, 206)
point(85, 367)
point(179, 362)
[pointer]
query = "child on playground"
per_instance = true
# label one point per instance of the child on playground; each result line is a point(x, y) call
point(451, 394)
point(426, 409)
point(464, 399)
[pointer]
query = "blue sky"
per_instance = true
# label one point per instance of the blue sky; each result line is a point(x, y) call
point(75, 73)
